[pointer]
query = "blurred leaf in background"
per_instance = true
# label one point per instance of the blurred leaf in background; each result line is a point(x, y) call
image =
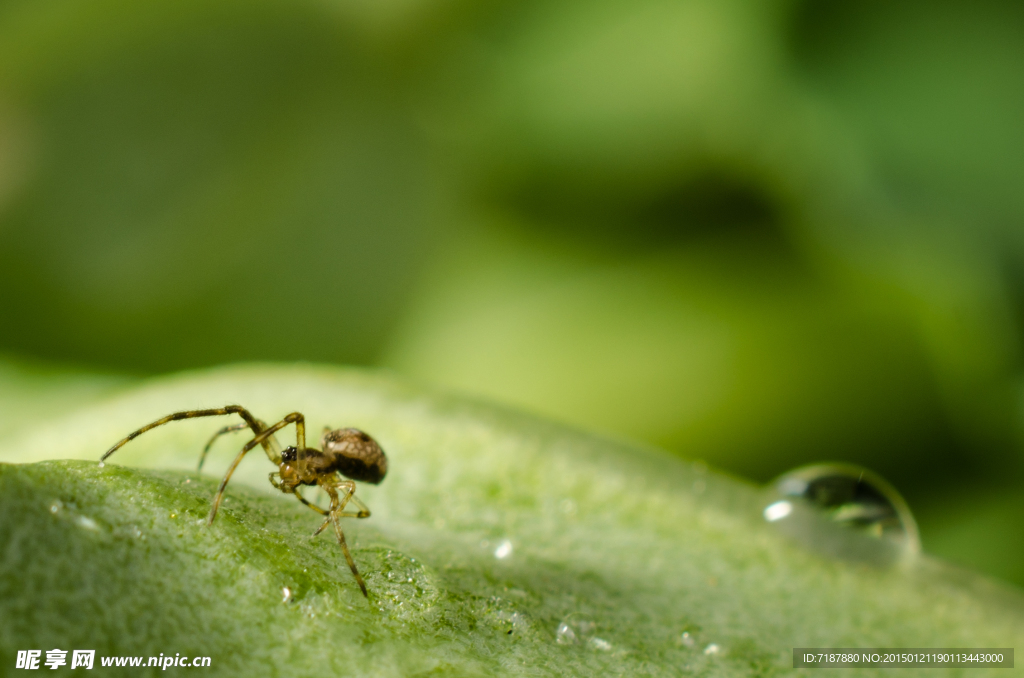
point(32, 391)
point(205, 182)
point(759, 233)
point(683, 223)
point(632, 258)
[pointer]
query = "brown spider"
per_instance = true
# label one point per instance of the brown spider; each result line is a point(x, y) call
point(345, 451)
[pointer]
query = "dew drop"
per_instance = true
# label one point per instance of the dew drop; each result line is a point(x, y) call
point(777, 510)
point(845, 512)
point(55, 506)
point(286, 594)
point(87, 523)
point(519, 621)
point(504, 550)
point(686, 640)
point(565, 635)
point(600, 644)
point(712, 649)
point(102, 464)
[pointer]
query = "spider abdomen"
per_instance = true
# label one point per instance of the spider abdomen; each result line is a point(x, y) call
point(355, 455)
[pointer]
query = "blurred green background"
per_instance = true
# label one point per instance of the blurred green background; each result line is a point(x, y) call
point(757, 233)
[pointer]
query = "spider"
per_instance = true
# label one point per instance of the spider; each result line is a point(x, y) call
point(344, 452)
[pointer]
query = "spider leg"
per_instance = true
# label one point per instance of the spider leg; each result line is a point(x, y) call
point(271, 446)
point(348, 556)
point(275, 480)
point(333, 517)
point(251, 421)
point(327, 521)
point(309, 503)
point(349, 488)
point(363, 512)
point(336, 503)
point(300, 436)
point(218, 434)
point(323, 433)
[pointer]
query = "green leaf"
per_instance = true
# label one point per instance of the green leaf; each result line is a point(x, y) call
point(163, 164)
point(628, 546)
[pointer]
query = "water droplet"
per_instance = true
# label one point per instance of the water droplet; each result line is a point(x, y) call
point(777, 511)
point(102, 464)
point(711, 649)
point(845, 512)
point(686, 640)
point(504, 550)
point(286, 594)
point(600, 644)
point(87, 523)
point(519, 621)
point(136, 532)
point(565, 635)
point(56, 505)
point(174, 515)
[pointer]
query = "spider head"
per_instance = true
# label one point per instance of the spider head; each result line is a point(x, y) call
point(355, 455)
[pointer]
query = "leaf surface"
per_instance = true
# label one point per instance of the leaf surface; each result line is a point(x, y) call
point(492, 531)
